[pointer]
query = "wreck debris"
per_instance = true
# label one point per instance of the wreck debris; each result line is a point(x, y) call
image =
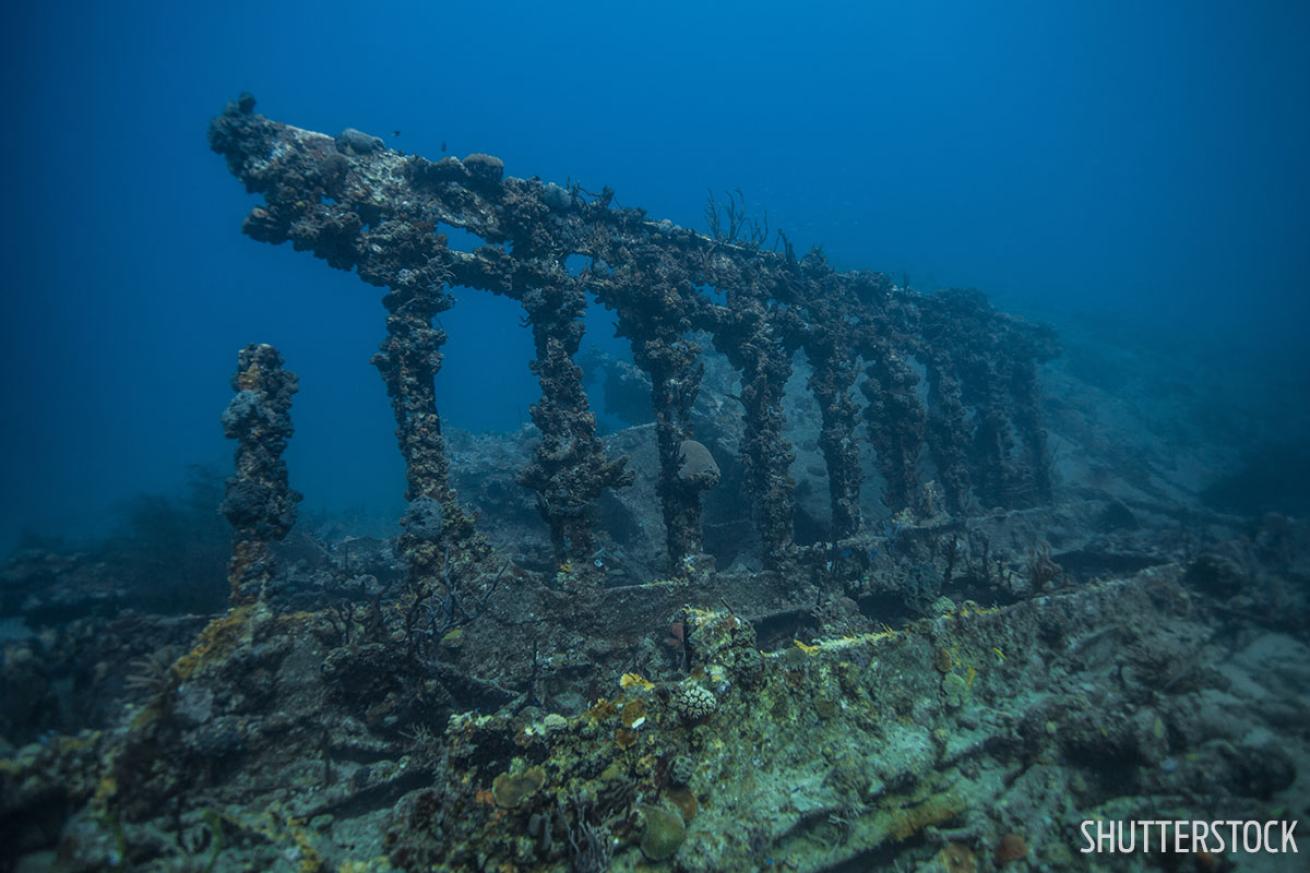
point(259, 503)
point(380, 213)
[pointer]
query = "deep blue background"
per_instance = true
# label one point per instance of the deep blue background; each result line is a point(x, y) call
point(1143, 161)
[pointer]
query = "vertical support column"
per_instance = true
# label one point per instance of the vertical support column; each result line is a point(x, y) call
point(259, 503)
point(993, 440)
point(408, 360)
point(833, 374)
point(569, 470)
point(976, 359)
point(1027, 417)
point(751, 345)
point(948, 435)
point(675, 374)
point(896, 423)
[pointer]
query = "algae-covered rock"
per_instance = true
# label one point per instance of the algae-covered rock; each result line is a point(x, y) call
point(510, 790)
point(663, 834)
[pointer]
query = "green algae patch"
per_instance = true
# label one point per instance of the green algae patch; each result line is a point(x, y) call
point(663, 834)
point(956, 689)
point(511, 790)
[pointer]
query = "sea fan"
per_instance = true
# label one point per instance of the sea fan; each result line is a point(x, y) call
point(151, 674)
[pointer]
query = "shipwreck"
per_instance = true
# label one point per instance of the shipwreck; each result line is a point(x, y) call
point(947, 676)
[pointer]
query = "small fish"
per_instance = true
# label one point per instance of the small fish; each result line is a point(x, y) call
point(395, 133)
point(443, 146)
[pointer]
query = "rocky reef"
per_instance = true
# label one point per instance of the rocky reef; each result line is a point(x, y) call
point(833, 604)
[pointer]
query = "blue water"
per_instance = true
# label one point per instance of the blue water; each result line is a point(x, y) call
point(1143, 162)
